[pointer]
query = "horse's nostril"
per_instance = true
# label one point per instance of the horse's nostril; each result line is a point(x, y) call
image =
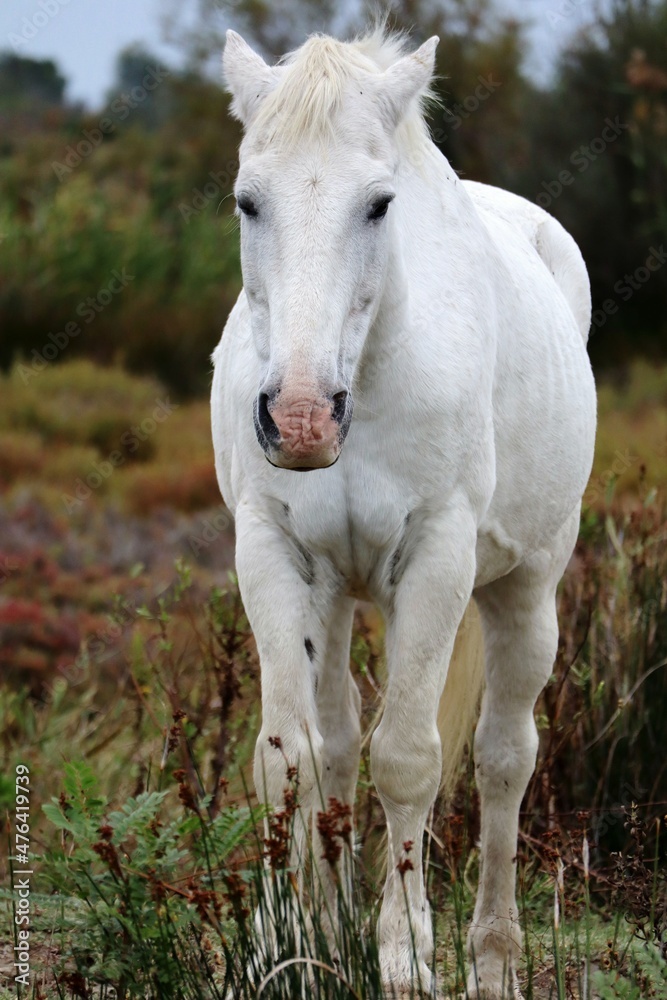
point(265, 420)
point(339, 406)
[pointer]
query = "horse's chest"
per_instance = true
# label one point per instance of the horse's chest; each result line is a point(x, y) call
point(354, 529)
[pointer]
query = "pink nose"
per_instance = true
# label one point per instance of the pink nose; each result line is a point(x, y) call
point(307, 429)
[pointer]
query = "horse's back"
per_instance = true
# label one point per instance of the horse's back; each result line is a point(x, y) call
point(552, 242)
point(544, 396)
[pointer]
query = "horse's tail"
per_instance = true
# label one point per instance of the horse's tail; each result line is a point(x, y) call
point(459, 704)
point(563, 257)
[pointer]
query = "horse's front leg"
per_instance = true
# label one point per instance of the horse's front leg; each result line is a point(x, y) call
point(435, 578)
point(283, 600)
point(339, 708)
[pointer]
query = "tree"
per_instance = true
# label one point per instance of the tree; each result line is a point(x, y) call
point(25, 83)
point(599, 164)
point(141, 91)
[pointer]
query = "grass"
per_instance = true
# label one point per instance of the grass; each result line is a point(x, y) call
point(130, 690)
point(159, 753)
point(156, 899)
point(631, 449)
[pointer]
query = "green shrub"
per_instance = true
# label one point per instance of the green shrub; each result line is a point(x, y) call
point(82, 404)
point(140, 887)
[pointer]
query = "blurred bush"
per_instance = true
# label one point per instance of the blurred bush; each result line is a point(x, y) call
point(79, 404)
point(77, 433)
point(119, 224)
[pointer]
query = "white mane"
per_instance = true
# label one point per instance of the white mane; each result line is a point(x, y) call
point(315, 80)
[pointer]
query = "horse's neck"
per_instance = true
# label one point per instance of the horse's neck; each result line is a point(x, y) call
point(435, 205)
point(434, 214)
point(436, 236)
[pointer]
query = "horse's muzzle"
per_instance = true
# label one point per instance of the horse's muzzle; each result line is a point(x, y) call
point(300, 433)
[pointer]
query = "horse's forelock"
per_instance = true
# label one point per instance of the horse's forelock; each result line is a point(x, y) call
point(315, 78)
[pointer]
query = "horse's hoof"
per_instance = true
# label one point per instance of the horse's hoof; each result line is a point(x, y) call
point(413, 992)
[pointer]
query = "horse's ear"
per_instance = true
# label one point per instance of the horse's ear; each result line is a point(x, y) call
point(407, 79)
point(249, 79)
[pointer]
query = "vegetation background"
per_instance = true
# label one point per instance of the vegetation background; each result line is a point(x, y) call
point(125, 658)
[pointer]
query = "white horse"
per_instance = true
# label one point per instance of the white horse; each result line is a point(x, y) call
point(453, 318)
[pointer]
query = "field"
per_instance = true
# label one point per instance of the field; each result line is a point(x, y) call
point(129, 697)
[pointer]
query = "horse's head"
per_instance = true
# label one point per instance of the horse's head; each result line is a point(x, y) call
point(316, 181)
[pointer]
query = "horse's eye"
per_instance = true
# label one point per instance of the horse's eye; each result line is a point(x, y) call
point(380, 209)
point(247, 206)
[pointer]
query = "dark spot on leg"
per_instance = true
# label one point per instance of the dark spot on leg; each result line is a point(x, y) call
point(306, 565)
point(310, 649)
point(286, 509)
point(395, 560)
point(395, 567)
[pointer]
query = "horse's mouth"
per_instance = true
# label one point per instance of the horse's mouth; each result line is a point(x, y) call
point(303, 468)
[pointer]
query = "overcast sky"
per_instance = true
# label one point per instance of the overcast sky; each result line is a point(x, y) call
point(84, 36)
